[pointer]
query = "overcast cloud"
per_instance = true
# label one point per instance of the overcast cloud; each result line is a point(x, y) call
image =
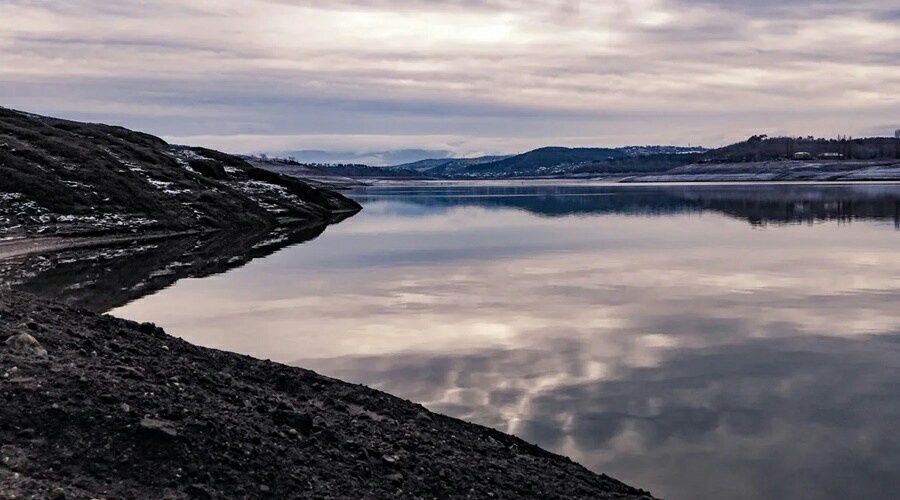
point(469, 76)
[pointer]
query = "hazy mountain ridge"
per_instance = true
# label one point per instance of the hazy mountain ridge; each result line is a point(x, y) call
point(332, 175)
point(371, 158)
point(758, 158)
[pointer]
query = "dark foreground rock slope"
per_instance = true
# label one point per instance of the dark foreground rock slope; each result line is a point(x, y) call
point(60, 177)
point(116, 409)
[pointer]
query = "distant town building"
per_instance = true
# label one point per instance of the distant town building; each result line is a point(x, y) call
point(803, 155)
point(831, 156)
point(897, 134)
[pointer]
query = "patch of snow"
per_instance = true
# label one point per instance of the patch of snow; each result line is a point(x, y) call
point(158, 184)
point(183, 164)
point(165, 187)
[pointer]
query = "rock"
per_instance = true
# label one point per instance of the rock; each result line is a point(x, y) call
point(395, 477)
point(161, 427)
point(26, 345)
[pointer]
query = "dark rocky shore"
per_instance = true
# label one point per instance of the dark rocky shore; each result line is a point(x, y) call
point(109, 408)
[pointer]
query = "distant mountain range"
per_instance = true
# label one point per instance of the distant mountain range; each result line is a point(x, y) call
point(760, 156)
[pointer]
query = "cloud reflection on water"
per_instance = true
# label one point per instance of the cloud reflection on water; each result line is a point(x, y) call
point(800, 417)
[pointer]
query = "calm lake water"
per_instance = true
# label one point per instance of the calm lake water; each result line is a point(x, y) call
point(709, 341)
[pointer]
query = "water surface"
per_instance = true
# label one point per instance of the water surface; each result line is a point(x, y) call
point(697, 341)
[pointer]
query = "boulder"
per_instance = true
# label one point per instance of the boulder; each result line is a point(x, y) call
point(26, 345)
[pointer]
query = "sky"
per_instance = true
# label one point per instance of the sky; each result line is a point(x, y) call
point(466, 77)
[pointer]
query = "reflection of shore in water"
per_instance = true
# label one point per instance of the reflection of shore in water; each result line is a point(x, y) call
point(104, 278)
point(758, 204)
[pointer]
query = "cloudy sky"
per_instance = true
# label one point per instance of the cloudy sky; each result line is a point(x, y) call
point(467, 76)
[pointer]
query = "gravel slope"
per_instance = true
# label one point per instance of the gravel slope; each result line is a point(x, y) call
point(116, 409)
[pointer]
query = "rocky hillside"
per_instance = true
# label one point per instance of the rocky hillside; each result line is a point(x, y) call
point(64, 177)
point(97, 407)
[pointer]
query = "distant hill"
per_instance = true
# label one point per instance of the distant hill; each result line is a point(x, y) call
point(547, 161)
point(764, 148)
point(447, 166)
